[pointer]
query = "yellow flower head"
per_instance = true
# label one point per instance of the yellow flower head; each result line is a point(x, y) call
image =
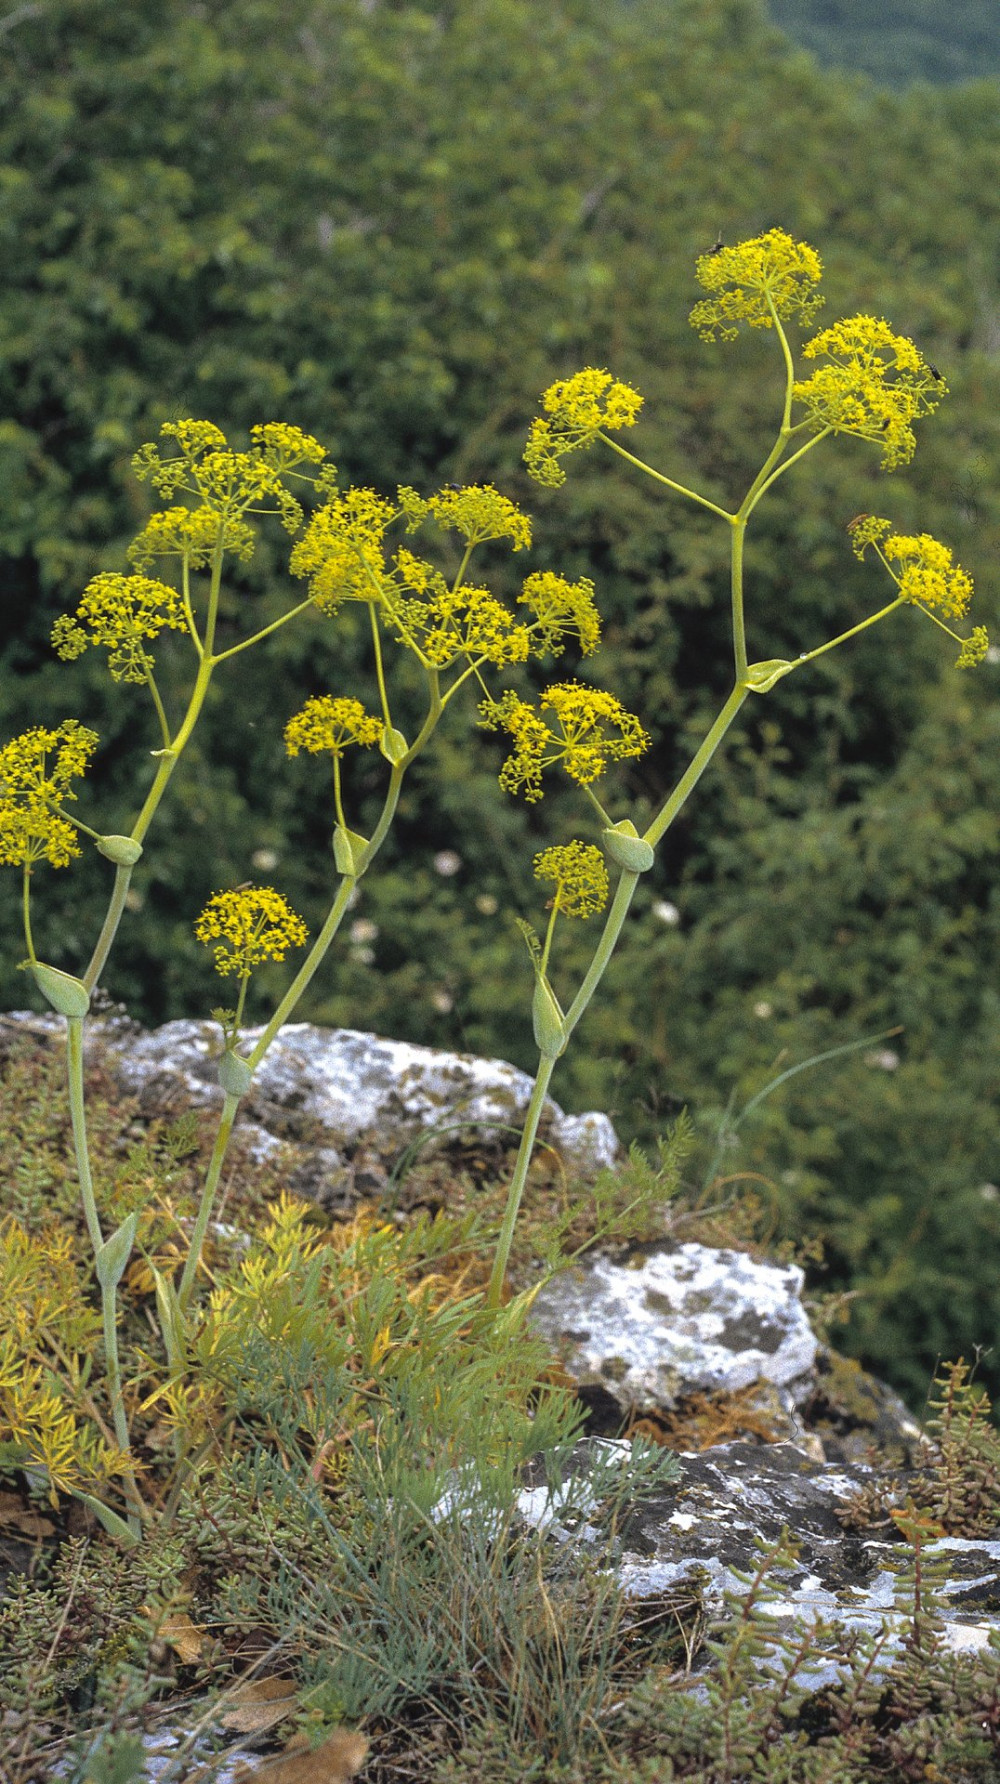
point(250, 926)
point(875, 385)
point(562, 610)
point(195, 438)
point(927, 573)
point(119, 612)
point(758, 279)
point(443, 625)
point(282, 446)
point(227, 482)
point(36, 769)
point(974, 648)
point(328, 724)
point(190, 534)
point(591, 729)
point(342, 549)
point(477, 511)
point(578, 410)
point(922, 568)
point(580, 875)
point(867, 530)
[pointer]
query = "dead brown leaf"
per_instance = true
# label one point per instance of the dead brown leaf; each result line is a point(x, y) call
point(186, 1639)
point(15, 1515)
point(259, 1704)
point(340, 1756)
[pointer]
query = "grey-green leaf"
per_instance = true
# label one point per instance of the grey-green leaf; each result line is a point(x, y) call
point(114, 1253)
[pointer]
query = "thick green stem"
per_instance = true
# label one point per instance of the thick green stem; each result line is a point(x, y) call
point(168, 760)
point(595, 972)
point(109, 1312)
point(234, 650)
point(216, 1163)
point(306, 972)
point(615, 920)
point(736, 579)
point(78, 1120)
point(809, 656)
point(383, 692)
point(613, 926)
point(697, 766)
point(158, 703)
point(109, 1295)
point(109, 928)
point(787, 464)
point(26, 911)
point(520, 1177)
point(543, 964)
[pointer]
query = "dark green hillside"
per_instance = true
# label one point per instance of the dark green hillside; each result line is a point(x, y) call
point(394, 226)
point(898, 42)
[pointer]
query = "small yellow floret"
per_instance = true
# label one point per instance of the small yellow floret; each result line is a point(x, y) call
point(281, 445)
point(443, 624)
point(230, 483)
point(328, 724)
point(769, 275)
point(580, 875)
point(867, 530)
point(250, 926)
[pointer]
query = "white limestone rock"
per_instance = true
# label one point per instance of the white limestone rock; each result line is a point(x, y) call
point(337, 1086)
point(678, 1319)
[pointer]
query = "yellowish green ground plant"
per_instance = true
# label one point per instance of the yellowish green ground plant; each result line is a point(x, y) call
point(352, 547)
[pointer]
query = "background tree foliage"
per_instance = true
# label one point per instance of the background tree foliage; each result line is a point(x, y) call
point(898, 41)
point(393, 224)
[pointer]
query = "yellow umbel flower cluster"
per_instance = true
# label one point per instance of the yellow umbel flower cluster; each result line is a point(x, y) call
point(252, 925)
point(191, 534)
point(342, 550)
point(973, 649)
point(225, 485)
point(328, 724)
point(562, 610)
point(580, 875)
point(926, 574)
point(476, 510)
point(925, 570)
point(283, 447)
point(594, 729)
point(119, 612)
point(36, 769)
point(443, 624)
point(875, 386)
point(767, 276)
point(577, 411)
